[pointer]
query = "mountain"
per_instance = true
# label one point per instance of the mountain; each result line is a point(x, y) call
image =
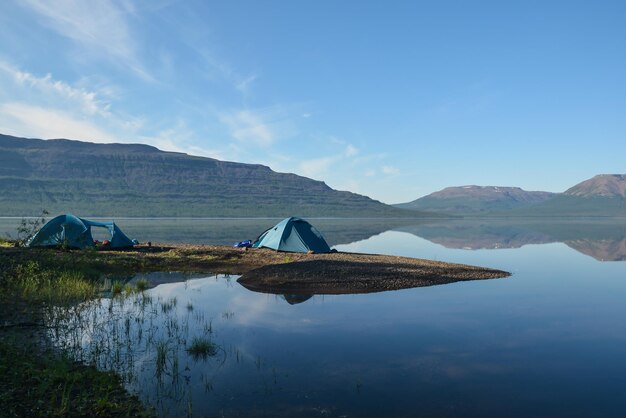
point(476, 200)
point(602, 195)
point(602, 185)
point(90, 179)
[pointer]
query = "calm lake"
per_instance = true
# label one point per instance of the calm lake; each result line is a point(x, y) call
point(548, 341)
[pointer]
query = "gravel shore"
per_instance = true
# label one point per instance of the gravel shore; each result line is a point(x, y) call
point(338, 273)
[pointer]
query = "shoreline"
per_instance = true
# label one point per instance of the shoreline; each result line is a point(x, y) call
point(265, 270)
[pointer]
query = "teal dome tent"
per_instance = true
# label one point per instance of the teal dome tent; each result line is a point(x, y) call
point(75, 232)
point(293, 235)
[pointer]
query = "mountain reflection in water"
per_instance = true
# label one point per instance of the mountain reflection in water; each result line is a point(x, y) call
point(604, 240)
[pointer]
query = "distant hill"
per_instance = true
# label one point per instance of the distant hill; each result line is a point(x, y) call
point(602, 195)
point(602, 185)
point(476, 200)
point(90, 179)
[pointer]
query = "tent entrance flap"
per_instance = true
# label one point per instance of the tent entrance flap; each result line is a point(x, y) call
point(100, 234)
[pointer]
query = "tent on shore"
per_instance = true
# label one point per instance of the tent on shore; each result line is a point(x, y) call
point(293, 235)
point(75, 232)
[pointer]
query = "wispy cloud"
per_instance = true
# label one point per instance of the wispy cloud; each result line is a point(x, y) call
point(88, 101)
point(179, 138)
point(390, 170)
point(259, 127)
point(100, 27)
point(23, 119)
point(248, 127)
point(351, 151)
point(316, 167)
point(319, 167)
point(243, 85)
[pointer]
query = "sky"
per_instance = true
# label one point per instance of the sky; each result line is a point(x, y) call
point(391, 99)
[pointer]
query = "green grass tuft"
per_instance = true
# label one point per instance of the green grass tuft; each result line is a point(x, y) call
point(142, 284)
point(202, 348)
point(117, 288)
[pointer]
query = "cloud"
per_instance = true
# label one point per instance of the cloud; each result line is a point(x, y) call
point(88, 101)
point(351, 151)
point(388, 169)
point(177, 139)
point(244, 84)
point(99, 27)
point(248, 127)
point(26, 120)
point(316, 167)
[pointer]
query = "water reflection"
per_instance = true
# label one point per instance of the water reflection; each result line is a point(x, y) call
point(295, 299)
point(604, 240)
point(523, 347)
point(163, 343)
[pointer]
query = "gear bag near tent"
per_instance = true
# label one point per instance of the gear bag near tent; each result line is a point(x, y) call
point(293, 235)
point(75, 232)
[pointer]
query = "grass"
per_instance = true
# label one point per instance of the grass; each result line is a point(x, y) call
point(142, 284)
point(169, 305)
point(33, 283)
point(202, 348)
point(48, 385)
point(117, 288)
point(161, 358)
point(4, 242)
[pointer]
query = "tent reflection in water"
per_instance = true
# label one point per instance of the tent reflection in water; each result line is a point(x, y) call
point(293, 235)
point(75, 232)
point(294, 299)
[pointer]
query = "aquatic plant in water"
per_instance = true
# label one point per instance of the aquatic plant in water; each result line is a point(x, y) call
point(142, 284)
point(202, 348)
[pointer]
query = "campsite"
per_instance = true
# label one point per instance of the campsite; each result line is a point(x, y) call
point(235, 306)
point(291, 259)
point(312, 209)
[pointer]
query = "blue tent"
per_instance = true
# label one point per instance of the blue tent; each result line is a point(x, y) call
point(293, 235)
point(75, 232)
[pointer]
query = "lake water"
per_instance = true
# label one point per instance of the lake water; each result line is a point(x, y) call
point(548, 341)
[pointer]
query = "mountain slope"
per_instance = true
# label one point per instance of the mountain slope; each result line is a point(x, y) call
point(139, 180)
point(476, 200)
point(602, 185)
point(602, 195)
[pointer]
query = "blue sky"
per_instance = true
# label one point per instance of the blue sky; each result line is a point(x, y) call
point(394, 100)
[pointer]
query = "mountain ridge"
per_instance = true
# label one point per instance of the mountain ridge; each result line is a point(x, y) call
point(91, 179)
point(601, 195)
point(601, 185)
point(472, 199)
